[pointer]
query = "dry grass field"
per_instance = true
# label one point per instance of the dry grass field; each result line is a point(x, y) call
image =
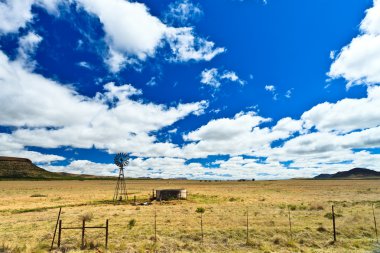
point(28, 212)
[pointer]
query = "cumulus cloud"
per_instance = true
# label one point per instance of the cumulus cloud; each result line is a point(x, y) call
point(345, 115)
point(239, 135)
point(359, 61)
point(128, 25)
point(111, 120)
point(214, 78)
point(302, 152)
point(9, 147)
point(131, 31)
point(16, 14)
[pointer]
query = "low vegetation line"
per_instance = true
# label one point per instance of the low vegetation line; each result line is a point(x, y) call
point(41, 209)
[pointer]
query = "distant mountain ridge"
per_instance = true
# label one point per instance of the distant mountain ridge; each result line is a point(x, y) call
point(23, 168)
point(355, 173)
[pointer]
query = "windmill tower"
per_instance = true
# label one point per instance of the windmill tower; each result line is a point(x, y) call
point(121, 160)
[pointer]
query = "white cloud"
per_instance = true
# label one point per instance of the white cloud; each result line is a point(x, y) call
point(213, 78)
point(272, 89)
point(54, 115)
point(152, 82)
point(128, 25)
point(27, 46)
point(237, 136)
point(359, 61)
point(332, 54)
point(231, 76)
point(132, 31)
point(288, 93)
point(9, 147)
point(186, 46)
point(84, 64)
point(328, 150)
point(85, 167)
point(182, 12)
point(210, 77)
point(371, 22)
point(347, 114)
point(16, 14)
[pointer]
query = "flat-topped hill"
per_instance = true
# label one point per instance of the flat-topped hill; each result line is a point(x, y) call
point(23, 168)
point(15, 167)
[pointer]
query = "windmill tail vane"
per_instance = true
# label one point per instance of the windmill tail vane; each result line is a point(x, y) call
point(121, 160)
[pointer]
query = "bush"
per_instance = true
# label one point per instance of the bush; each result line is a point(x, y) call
point(321, 229)
point(329, 215)
point(86, 217)
point(131, 223)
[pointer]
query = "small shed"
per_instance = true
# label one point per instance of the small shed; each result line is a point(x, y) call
point(170, 194)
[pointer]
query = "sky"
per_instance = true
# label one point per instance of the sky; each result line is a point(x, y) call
point(227, 89)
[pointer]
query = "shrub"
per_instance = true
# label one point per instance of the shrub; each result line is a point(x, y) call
point(329, 215)
point(321, 229)
point(86, 217)
point(131, 223)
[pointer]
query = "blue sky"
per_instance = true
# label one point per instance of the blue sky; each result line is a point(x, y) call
point(197, 89)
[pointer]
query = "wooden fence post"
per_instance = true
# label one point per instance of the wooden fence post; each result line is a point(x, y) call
point(155, 224)
point(55, 229)
point(290, 224)
point(247, 228)
point(333, 219)
point(374, 220)
point(83, 227)
point(107, 234)
point(202, 226)
point(59, 233)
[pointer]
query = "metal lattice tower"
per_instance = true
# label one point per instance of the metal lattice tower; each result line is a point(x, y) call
point(121, 160)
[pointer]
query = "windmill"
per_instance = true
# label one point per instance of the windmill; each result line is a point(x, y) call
point(121, 160)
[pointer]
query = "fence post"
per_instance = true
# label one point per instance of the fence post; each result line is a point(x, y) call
point(202, 226)
point(83, 227)
point(290, 224)
point(374, 220)
point(247, 228)
point(333, 219)
point(59, 233)
point(55, 229)
point(155, 224)
point(107, 234)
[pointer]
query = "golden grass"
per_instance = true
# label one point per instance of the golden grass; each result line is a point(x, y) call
point(28, 213)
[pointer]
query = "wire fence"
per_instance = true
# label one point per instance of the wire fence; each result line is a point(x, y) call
point(234, 225)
